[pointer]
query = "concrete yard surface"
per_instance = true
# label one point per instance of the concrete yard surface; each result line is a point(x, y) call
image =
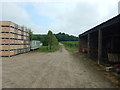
point(59, 69)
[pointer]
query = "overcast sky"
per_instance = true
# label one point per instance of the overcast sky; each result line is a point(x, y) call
point(74, 17)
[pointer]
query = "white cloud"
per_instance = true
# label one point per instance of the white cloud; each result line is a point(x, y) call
point(12, 12)
point(73, 17)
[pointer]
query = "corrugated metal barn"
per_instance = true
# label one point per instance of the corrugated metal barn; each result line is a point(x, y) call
point(102, 41)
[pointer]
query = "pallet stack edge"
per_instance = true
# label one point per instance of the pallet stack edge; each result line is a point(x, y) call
point(14, 39)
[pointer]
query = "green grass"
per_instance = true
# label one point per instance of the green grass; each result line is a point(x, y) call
point(71, 46)
point(45, 49)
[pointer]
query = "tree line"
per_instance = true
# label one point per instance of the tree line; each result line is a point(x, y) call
point(56, 37)
point(65, 37)
point(48, 39)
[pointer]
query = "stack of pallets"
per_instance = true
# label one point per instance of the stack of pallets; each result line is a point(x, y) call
point(14, 39)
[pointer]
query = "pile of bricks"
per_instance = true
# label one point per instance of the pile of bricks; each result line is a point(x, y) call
point(14, 39)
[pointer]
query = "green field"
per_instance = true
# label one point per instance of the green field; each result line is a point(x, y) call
point(45, 49)
point(71, 46)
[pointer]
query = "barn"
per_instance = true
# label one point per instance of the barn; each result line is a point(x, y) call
point(102, 41)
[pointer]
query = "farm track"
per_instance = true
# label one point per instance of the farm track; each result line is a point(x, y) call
point(59, 69)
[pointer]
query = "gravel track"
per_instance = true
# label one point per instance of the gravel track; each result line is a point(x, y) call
point(59, 69)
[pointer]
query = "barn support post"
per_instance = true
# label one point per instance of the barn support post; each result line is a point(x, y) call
point(79, 44)
point(88, 45)
point(99, 46)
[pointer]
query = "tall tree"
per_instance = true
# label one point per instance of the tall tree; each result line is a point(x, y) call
point(52, 40)
point(31, 34)
point(49, 39)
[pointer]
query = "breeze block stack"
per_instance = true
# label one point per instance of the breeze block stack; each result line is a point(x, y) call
point(14, 39)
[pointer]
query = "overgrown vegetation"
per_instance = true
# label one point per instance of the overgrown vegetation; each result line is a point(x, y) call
point(71, 46)
point(50, 42)
point(45, 49)
point(40, 37)
point(60, 37)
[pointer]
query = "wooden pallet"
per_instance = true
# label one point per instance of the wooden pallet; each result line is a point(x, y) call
point(14, 39)
point(19, 32)
point(7, 53)
point(5, 47)
point(7, 35)
point(5, 41)
point(7, 23)
point(114, 57)
point(7, 29)
point(19, 37)
point(20, 28)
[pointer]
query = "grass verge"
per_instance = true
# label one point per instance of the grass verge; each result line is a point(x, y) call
point(45, 49)
point(71, 46)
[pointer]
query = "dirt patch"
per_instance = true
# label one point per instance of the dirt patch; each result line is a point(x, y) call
point(60, 69)
point(112, 76)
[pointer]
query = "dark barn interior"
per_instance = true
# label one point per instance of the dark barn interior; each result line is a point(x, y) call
point(102, 41)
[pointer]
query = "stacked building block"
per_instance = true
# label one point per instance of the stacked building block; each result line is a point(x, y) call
point(14, 39)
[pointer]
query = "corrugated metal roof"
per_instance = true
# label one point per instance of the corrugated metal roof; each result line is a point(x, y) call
point(110, 22)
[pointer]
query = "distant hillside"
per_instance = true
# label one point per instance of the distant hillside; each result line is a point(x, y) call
point(66, 37)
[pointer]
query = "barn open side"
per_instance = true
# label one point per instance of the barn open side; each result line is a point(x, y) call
point(102, 41)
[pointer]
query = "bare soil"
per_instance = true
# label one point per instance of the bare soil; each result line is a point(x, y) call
point(60, 69)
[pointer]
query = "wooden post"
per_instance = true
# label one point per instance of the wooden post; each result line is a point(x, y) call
point(88, 45)
point(99, 46)
point(79, 46)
